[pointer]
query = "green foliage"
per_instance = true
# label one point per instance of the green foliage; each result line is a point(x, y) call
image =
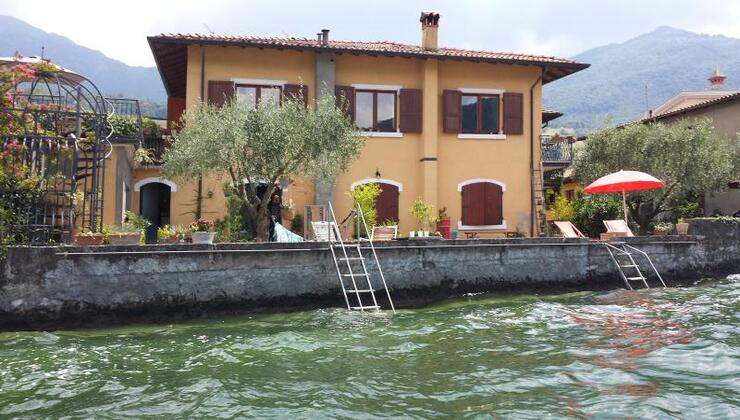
point(663, 227)
point(685, 155)
point(267, 143)
point(132, 223)
point(20, 192)
point(589, 212)
point(124, 126)
point(366, 196)
point(231, 228)
point(563, 209)
point(423, 212)
point(688, 209)
point(296, 224)
point(165, 232)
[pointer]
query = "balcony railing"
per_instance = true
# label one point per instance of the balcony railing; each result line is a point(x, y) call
point(556, 149)
point(156, 147)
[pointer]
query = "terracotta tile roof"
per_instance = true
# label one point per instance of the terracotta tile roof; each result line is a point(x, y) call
point(165, 47)
point(366, 47)
point(730, 96)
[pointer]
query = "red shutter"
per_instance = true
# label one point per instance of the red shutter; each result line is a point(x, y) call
point(296, 91)
point(513, 113)
point(410, 108)
point(451, 103)
point(493, 199)
point(473, 202)
point(346, 100)
point(220, 91)
point(175, 109)
point(386, 204)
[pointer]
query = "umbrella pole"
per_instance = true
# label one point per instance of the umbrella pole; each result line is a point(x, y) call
point(624, 206)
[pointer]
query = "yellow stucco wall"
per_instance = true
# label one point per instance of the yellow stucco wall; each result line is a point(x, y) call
point(398, 159)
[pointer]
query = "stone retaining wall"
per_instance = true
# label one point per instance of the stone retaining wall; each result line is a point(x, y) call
point(76, 286)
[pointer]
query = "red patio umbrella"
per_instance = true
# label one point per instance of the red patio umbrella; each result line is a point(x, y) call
point(624, 181)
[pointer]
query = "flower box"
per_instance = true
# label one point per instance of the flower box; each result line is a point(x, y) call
point(203, 237)
point(86, 239)
point(128, 238)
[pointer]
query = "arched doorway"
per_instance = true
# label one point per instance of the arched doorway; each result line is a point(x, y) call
point(154, 205)
point(386, 205)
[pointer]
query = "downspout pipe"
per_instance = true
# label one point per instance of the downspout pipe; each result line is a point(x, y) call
point(199, 198)
point(533, 207)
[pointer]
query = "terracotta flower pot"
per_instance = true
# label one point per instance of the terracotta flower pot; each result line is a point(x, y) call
point(89, 240)
point(682, 228)
point(128, 238)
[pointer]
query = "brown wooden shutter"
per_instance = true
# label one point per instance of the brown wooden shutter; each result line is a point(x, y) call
point(493, 204)
point(386, 204)
point(451, 103)
point(410, 110)
point(220, 91)
point(346, 100)
point(513, 113)
point(296, 91)
point(473, 202)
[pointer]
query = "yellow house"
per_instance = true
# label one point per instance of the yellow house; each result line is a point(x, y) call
point(458, 128)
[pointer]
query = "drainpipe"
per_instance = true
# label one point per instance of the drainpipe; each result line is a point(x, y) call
point(199, 197)
point(531, 152)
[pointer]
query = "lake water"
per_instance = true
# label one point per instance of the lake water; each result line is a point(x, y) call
point(646, 354)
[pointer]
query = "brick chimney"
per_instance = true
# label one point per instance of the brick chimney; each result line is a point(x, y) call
point(429, 25)
point(717, 80)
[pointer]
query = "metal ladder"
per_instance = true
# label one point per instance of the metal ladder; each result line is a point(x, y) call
point(349, 262)
point(626, 253)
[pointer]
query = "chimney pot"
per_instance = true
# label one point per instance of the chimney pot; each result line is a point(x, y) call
point(429, 26)
point(324, 37)
point(717, 80)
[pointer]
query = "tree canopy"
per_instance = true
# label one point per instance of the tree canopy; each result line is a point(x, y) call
point(261, 146)
point(685, 155)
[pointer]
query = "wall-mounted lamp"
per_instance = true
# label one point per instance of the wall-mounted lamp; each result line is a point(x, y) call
point(377, 173)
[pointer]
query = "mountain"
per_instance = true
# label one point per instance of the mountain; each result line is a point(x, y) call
point(111, 76)
point(667, 60)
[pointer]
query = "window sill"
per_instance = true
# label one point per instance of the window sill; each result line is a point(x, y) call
point(463, 227)
point(482, 136)
point(389, 134)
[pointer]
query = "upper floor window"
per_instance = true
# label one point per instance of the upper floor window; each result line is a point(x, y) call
point(251, 95)
point(480, 114)
point(375, 110)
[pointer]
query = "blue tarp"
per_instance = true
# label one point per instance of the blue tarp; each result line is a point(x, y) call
point(284, 235)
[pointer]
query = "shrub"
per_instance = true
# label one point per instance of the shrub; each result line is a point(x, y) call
point(590, 211)
point(366, 195)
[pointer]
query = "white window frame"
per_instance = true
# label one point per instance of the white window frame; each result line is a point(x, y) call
point(460, 186)
point(484, 91)
point(389, 88)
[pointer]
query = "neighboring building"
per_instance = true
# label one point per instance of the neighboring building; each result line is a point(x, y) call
point(459, 128)
point(723, 108)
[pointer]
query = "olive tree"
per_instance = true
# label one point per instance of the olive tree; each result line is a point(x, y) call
point(685, 155)
point(262, 146)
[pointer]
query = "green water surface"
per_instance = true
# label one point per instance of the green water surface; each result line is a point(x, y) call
point(672, 353)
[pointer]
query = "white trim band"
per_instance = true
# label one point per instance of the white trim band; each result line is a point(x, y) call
point(387, 134)
point(482, 91)
point(471, 136)
point(477, 180)
point(376, 180)
point(260, 82)
point(153, 180)
point(366, 86)
point(463, 227)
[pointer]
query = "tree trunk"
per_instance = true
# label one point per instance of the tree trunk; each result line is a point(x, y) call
point(263, 227)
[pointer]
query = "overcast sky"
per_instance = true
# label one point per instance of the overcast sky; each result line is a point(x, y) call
point(563, 27)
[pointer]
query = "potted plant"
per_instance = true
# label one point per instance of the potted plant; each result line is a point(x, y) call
point(682, 228)
point(89, 238)
point(423, 212)
point(662, 229)
point(130, 232)
point(443, 224)
point(166, 235)
point(200, 231)
point(180, 233)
